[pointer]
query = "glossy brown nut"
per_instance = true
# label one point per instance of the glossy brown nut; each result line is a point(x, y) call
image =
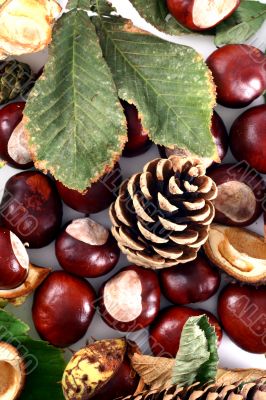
point(31, 208)
point(13, 144)
point(199, 15)
point(190, 283)
point(247, 137)
point(63, 308)
point(130, 300)
point(240, 194)
point(239, 73)
point(242, 313)
point(138, 138)
point(97, 198)
point(86, 248)
point(14, 260)
point(165, 332)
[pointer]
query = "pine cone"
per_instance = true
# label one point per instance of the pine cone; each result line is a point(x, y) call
point(255, 390)
point(161, 217)
point(16, 79)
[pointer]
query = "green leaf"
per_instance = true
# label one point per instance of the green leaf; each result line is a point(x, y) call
point(44, 363)
point(170, 85)
point(197, 357)
point(244, 23)
point(76, 125)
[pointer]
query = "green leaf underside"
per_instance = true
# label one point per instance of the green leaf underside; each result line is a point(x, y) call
point(44, 363)
point(170, 84)
point(197, 357)
point(244, 23)
point(76, 124)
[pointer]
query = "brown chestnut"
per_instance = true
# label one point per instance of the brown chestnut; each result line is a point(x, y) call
point(239, 72)
point(191, 282)
point(240, 194)
point(63, 308)
point(97, 197)
point(86, 248)
point(165, 332)
point(14, 260)
point(247, 137)
point(242, 313)
point(130, 300)
point(31, 208)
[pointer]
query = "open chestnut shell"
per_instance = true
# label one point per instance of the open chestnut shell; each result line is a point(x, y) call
point(130, 300)
point(63, 308)
point(13, 141)
point(240, 194)
point(86, 248)
point(31, 208)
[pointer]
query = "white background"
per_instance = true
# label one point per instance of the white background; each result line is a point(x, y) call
point(231, 356)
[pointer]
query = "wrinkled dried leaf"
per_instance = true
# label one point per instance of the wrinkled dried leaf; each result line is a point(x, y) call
point(229, 377)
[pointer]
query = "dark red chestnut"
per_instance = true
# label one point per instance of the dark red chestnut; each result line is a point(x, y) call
point(190, 283)
point(248, 137)
point(240, 194)
point(130, 300)
point(97, 198)
point(239, 72)
point(199, 15)
point(63, 308)
point(14, 260)
point(13, 142)
point(86, 248)
point(165, 332)
point(242, 313)
point(138, 138)
point(31, 208)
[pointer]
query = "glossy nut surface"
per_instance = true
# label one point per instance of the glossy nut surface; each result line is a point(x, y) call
point(63, 308)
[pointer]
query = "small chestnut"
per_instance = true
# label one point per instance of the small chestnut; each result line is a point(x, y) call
point(63, 308)
point(247, 137)
point(239, 73)
point(191, 282)
point(31, 208)
point(13, 142)
point(14, 260)
point(138, 138)
point(240, 194)
point(165, 332)
point(130, 300)
point(96, 198)
point(86, 248)
point(242, 313)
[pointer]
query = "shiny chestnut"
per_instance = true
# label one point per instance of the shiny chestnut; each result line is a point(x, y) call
point(86, 248)
point(130, 300)
point(63, 308)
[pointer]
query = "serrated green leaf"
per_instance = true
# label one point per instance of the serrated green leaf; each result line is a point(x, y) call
point(11, 327)
point(76, 125)
point(90, 5)
point(170, 85)
point(197, 357)
point(244, 23)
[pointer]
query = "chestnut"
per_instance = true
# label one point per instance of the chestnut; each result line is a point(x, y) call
point(86, 248)
point(199, 15)
point(96, 198)
point(239, 73)
point(31, 208)
point(138, 138)
point(242, 313)
point(13, 142)
point(247, 137)
point(191, 282)
point(240, 194)
point(130, 300)
point(14, 260)
point(63, 308)
point(165, 332)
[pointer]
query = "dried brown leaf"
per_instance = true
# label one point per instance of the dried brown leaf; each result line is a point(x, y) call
point(229, 377)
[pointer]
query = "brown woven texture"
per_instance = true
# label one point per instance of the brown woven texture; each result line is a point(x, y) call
point(161, 217)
